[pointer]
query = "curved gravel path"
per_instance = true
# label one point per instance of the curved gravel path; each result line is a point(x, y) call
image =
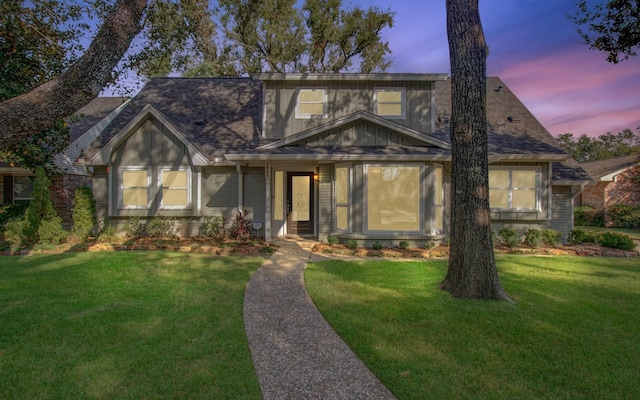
point(296, 353)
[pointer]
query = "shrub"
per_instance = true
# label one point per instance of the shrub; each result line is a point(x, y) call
point(134, 228)
point(623, 216)
point(352, 244)
point(551, 237)
point(51, 232)
point(12, 211)
point(616, 241)
point(509, 237)
point(533, 238)
point(579, 236)
point(39, 211)
point(587, 216)
point(376, 245)
point(241, 226)
point(332, 240)
point(13, 233)
point(84, 213)
point(403, 244)
point(267, 250)
point(160, 227)
point(213, 227)
point(107, 232)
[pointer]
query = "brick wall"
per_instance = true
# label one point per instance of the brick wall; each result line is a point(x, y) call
point(62, 190)
point(593, 195)
point(624, 190)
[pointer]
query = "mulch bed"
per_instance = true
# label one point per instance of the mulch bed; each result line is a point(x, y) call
point(443, 251)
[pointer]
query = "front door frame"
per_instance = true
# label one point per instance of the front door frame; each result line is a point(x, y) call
point(293, 228)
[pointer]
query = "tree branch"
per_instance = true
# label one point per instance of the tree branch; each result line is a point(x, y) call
point(32, 112)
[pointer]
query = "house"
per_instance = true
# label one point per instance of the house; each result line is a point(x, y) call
point(16, 184)
point(615, 181)
point(356, 156)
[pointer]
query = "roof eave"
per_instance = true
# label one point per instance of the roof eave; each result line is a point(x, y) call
point(350, 77)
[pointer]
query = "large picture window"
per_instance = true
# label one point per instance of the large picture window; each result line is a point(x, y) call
point(342, 198)
point(134, 184)
point(513, 188)
point(175, 188)
point(393, 197)
point(311, 103)
point(389, 102)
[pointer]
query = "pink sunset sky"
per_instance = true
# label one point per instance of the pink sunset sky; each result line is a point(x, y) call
point(536, 51)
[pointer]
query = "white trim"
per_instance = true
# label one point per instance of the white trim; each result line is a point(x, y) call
point(121, 187)
point(160, 187)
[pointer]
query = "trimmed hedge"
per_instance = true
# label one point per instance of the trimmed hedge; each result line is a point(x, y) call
point(623, 216)
point(588, 216)
point(606, 239)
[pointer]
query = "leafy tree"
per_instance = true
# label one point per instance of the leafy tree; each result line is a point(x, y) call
point(586, 148)
point(612, 27)
point(40, 40)
point(38, 109)
point(247, 36)
point(472, 271)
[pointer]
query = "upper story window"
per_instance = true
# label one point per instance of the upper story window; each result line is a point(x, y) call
point(513, 188)
point(311, 102)
point(390, 102)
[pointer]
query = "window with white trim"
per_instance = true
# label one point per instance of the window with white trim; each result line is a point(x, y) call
point(390, 102)
point(342, 197)
point(513, 188)
point(311, 102)
point(175, 188)
point(134, 187)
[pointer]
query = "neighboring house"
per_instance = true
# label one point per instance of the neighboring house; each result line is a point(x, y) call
point(357, 156)
point(16, 182)
point(616, 181)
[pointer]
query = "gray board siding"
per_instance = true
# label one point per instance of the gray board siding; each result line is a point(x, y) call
point(360, 134)
point(344, 98)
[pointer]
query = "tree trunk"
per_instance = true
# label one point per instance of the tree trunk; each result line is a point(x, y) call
point(38, 109)
point(472, 269)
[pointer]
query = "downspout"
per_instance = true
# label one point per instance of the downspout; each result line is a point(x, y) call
point(240, 188)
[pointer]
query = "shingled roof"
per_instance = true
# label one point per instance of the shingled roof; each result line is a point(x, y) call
point(601, 168)
point(222, 117)
point(217, 115)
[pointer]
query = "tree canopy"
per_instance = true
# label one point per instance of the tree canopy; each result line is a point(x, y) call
point(612, 27)
point(236, 37)
point(608, 145)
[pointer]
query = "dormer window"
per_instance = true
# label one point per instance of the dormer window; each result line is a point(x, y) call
point(312, 102)
point(390, 102)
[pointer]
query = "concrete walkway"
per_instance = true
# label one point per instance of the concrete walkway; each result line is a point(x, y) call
point(296, 354)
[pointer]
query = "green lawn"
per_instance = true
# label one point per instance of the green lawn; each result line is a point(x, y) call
point(573, 333)
point(125, 325)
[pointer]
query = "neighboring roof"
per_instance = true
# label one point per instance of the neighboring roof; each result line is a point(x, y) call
point(92, 120)
point(216, 115)
point(605, 170)
point(89, 115)
point(569, 173)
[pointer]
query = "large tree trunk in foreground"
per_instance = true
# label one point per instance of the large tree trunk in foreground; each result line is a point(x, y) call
point(472, 269)
point(38, 109)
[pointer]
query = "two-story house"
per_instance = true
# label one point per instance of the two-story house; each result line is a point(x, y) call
point(357, 156)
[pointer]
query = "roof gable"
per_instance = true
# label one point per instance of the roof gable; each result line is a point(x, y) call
point(103, 156)
point(334, 127)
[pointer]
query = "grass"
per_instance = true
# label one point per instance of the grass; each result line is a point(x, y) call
point(130, 325)
point(572, 334)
